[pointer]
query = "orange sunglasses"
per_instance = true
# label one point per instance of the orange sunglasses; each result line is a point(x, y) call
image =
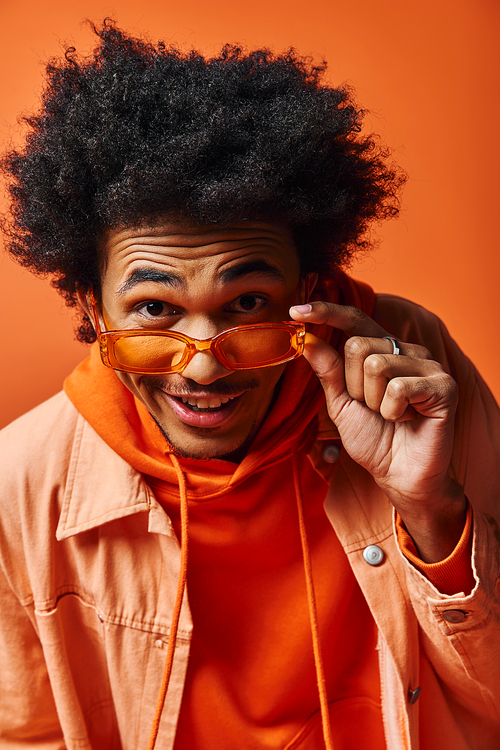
point(244, 347)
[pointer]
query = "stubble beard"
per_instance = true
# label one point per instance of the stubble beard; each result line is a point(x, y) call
point(219, 388)
point(239, 449)
point(235, 453)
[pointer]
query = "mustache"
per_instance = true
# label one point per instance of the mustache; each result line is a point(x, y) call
point(188, 388)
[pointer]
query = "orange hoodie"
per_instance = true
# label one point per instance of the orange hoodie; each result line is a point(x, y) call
point(251, 679)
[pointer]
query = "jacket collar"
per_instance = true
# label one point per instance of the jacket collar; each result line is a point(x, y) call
point(102, 487)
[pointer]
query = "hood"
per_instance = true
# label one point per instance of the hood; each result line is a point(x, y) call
point(126, 426)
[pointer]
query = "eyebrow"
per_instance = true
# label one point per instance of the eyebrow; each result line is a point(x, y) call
point(261, 267)
point(140, 275)
point(172, 280)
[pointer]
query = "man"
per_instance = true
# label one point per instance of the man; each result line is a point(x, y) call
point(250, 401)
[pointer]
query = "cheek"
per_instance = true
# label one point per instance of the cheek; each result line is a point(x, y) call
point(268, 389)
point(145, 392)
point(132, 382)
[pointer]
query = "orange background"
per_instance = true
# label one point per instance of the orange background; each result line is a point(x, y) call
point(428, 72)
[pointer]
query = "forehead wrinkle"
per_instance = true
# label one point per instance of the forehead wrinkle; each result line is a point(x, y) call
point(166, 233)
point(205, 244)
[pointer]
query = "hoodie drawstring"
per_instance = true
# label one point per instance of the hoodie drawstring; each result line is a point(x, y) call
point(181, 587)
point(313, 615)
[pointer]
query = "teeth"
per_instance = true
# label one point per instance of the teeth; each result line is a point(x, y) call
point(205, 403)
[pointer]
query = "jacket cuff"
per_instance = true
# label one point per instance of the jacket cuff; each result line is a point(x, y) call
point(453, 574)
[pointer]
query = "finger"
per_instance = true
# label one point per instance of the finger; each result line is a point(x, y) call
point(358, 353)
point(380, 369)
point(358, 348)
point(348, 319)
point(434, 397)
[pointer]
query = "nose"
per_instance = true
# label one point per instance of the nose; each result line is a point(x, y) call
point(204, 369)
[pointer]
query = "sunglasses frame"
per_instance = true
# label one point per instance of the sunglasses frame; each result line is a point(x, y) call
point(107, 340)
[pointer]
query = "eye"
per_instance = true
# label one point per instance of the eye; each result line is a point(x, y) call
point(154, 308)
point(247, 303)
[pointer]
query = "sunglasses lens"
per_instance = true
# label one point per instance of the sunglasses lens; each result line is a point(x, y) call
point(238, 349)
point(257, 347)
point(149, 353)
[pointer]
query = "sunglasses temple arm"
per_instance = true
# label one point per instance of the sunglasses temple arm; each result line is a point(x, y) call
point(308, 285)
point(93, 306)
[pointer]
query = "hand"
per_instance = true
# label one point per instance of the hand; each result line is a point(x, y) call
point(395, 416)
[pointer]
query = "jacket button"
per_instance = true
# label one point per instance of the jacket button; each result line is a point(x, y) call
point(331, 453)
point(373, 555)
point(414, 695)
point(454, 615)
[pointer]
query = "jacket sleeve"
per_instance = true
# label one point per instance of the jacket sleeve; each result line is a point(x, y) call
point(460, 634)
point(28, 717)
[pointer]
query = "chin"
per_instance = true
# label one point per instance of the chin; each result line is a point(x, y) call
point(207, 448)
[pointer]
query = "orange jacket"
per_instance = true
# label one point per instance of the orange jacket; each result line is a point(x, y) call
point(72, 583)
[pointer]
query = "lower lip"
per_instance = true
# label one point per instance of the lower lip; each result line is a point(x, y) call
point(213, 418)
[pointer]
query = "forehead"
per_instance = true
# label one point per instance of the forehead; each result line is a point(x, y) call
point(192, 252)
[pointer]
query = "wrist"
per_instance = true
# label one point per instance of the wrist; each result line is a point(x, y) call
point(450, 576)
point(436, 523)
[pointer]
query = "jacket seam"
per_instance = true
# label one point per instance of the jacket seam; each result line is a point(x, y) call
point(72, 468)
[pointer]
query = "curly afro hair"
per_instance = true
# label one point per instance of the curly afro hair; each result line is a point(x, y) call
point(138, 131)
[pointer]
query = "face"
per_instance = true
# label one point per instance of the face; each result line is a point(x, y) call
point(201, 281)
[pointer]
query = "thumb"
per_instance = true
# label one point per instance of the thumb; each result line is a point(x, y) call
point(328, 365)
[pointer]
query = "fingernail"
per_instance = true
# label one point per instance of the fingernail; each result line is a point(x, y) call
point(302, 309)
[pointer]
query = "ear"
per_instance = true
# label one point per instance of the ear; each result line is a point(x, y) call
point(83, 300)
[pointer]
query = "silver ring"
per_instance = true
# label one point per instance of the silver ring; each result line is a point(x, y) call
point(395, 344)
